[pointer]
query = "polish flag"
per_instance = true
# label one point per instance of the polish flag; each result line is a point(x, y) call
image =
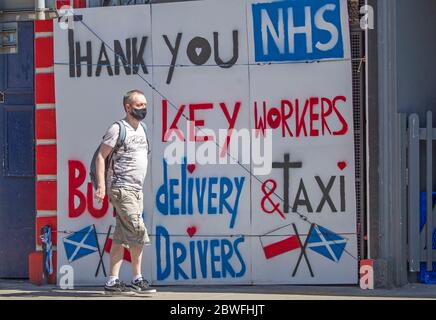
point(279, 241)
point(108, 247)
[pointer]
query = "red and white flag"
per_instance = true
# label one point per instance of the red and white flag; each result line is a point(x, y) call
point(279, 241)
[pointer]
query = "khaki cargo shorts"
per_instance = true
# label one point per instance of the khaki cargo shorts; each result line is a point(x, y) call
point(129, 228)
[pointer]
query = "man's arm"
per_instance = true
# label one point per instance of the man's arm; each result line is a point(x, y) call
point(102, 154)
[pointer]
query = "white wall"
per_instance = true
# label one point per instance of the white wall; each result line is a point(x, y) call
point(245, 244)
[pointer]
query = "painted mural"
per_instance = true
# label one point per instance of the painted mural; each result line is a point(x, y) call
point(251, 175)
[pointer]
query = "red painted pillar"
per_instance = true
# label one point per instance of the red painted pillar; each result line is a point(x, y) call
point(45, 137)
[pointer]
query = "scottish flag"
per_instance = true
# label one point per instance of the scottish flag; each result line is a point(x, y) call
point(326, 243)
point(81, 243)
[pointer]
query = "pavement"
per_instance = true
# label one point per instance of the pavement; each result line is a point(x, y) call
point(23, 290)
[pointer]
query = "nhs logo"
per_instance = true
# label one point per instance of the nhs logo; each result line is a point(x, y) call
point(297, 30)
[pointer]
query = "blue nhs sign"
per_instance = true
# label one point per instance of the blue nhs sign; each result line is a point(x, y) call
point(297, 30)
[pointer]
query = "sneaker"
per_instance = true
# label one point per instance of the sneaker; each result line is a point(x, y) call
point(142, 286)
point(118, 287)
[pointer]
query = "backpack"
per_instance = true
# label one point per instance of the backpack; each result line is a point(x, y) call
point(118, 145)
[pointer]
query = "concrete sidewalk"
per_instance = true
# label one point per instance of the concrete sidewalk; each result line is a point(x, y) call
point(20, 289)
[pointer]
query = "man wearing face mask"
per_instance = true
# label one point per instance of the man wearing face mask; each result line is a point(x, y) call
point(125, 179)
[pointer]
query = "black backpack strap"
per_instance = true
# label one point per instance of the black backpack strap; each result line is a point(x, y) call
point(119, 144)
point(121, 136)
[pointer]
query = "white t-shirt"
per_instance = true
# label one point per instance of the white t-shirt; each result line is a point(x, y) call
point(129, 164)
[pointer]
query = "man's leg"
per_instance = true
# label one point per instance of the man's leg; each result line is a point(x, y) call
point(136, 254)
point(137, 236)
point(139, 284)
point(140, 235)
point(113, 284)
point(116, 254)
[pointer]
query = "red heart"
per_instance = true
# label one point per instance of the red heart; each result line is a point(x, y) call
point(342, 165)
point(191, 231)
point(191, 168)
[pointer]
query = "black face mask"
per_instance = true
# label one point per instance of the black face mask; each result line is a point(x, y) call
point(139, 114)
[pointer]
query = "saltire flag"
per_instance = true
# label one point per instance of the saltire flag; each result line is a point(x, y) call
point(326, 243)
point(81, 243)
point(108, 247)
point(279, 241)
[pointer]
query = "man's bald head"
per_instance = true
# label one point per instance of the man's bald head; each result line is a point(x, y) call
point(130, 95)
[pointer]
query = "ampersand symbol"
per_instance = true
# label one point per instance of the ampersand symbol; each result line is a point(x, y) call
point(267, 191)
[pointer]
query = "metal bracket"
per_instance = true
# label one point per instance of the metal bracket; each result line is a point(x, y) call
point(8, 38)
point(76, 17)
point(27, 15)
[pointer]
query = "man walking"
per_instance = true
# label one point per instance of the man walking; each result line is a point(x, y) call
point(123, 184)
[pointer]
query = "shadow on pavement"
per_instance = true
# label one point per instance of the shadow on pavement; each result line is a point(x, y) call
point(24, 289)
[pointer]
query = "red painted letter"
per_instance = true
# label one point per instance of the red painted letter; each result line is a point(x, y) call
point(96, 213)
point(73, 188)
